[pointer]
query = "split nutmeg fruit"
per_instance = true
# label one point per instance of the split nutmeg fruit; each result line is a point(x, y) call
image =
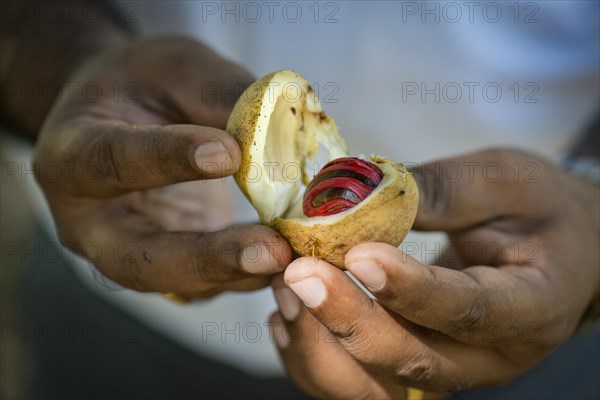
point(279, 125)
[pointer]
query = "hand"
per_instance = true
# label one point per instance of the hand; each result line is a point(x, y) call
point(105, 159)
point(529, 248)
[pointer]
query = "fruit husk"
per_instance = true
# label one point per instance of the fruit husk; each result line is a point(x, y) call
point(386, 215)
point(242, 123)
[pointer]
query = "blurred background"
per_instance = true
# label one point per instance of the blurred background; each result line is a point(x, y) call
point(415, 81)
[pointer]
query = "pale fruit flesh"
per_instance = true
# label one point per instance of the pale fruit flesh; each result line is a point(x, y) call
point(279, 125)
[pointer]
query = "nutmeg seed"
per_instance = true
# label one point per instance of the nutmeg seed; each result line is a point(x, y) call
point(339, 186)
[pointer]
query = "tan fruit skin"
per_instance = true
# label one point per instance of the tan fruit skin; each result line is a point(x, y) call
point(387, 218)
point(242, 124)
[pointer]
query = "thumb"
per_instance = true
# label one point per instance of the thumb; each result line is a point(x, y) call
point(464, 191)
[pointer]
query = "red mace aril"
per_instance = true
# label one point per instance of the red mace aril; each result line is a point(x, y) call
point(339, 186)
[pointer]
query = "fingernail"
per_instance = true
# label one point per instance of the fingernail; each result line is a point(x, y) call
point(257, 259)
point(311, 291)
point(212, 157)
point(281, 336)
point(289, 303)
point(370, 274)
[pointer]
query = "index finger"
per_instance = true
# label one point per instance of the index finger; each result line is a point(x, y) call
point(463, 304)
point(130, 252)
point(464, 191)
point(385, 343)
point(105, 158)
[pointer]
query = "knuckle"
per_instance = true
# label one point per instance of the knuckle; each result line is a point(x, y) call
point(210, 270)
point(436, 191)
point(161, 156)
point(417, 369)
point(158, 154)
point(350, 328)
point(475, 317)
point(207, 272)
point(101, 159)
point(346, 330)
point(357, 338)
point(217, 259)
point(107, 161)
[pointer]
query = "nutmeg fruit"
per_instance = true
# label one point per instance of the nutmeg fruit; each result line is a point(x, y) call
point(280, 126)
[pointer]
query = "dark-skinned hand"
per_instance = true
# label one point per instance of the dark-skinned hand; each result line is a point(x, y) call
point(138, 161)
point(527, 236)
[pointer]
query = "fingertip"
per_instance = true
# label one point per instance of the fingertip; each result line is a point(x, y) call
point(369, 250)
point(381, 253)
point(377, 264)
point(232, 147)
point(274, 318)
point(288, 302)
point(280, 248)
point(276, 243)
point(280, 334)
point(371, 256)
point(306, 278)
point(257, 258)
point(213, 159)
point(302, 268)
point(268, 252)
point(215, 153)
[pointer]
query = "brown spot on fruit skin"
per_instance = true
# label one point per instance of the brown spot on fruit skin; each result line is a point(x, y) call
point(293, 110)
